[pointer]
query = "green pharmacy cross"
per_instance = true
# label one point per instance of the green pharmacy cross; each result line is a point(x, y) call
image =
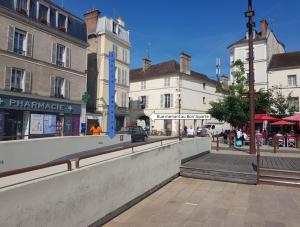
point(85, 97)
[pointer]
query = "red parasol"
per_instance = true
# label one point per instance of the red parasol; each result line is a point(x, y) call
point(282, 123)
point(264, 117)
point(295, 117)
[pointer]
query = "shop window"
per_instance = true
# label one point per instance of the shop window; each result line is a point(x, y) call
point(43, 14)
point(59, 87)
point(19, 42)
point(17, 84)
point(22, 7)
point(61, 22)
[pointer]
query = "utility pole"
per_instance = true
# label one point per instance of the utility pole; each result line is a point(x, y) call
point(250, 25)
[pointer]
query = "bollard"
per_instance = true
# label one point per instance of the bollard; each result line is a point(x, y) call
point(217, 143)
point(275, 143)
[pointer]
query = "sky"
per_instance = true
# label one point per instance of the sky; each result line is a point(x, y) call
point(202, 28)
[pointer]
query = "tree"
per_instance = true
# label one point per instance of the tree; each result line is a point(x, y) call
point(281, 105)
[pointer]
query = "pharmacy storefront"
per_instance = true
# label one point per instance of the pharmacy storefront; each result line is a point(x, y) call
point(24, 118)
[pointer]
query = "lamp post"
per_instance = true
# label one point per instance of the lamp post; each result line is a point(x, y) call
point(250, 25)
point(179, 111)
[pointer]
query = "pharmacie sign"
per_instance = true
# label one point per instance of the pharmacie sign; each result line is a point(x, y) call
point(30, 104)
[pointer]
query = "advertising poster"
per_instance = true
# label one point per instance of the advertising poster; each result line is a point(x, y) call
point(36, 124)
point(49, 124)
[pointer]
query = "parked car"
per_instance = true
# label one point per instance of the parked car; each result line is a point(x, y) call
point(137, 133)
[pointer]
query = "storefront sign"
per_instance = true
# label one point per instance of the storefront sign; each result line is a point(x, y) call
point(37, 124)
point(111, 105)
point(30, 104)
point(49, 124)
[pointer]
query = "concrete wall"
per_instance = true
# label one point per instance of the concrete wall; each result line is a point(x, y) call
point(24, 153)
point(81, 197)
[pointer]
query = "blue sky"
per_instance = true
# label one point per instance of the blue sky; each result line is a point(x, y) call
point(201, 28)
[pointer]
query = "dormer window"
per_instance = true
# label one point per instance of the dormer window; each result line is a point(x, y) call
point(43, 14)
point(22, 6)
point(61, 22)
point(115, 27)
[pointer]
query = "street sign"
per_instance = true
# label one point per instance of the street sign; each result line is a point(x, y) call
point(166, 116)
point(111, 105)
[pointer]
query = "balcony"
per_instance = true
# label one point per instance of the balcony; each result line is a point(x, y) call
point(105, 25)
point(19, 51)
point(22, 11)
point(60, 63)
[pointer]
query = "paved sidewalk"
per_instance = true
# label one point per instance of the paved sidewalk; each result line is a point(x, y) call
point(189, 202)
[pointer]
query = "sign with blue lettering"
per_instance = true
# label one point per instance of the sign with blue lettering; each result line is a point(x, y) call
point(111, 105)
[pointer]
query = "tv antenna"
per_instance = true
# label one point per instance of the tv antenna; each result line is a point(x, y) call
point(218, 68)
point(148, 50)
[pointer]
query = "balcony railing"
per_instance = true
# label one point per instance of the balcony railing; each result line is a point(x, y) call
point(15, 89)
point(60, 63)
point(22, 11)
point(19, 51)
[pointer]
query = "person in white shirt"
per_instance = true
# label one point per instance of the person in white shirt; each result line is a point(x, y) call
point(190, 132)
point(239, 134)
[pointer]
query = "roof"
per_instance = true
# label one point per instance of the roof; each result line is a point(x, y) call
point(244, 40)
point(285, 60)
point(164, 69)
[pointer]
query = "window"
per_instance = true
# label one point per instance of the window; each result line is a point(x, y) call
point(143, 102)
point(292, 80)
point(167, 102)
point(294, 102)
point(115, 49)
point(17, 83)
point(203, 100)
point(60, 55)
point(143, 85)
point(167, 81)
point(22, 6)
point(125, 55)
point(124, 99)
point(59, 87)
point(61, 22)
point(204, 86)
point(43, 14)
point(19, 42)
point(123, 77)
point(115, 28)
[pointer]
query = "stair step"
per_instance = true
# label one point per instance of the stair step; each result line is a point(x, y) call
point(279, 182)
point(280, 173)
point(280, 178)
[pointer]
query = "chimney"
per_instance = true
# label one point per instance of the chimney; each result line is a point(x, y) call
point(264, 27)
point(224, 81)
point(121, 21)
point(185, 63)
point(146, 64)
point(91, 18)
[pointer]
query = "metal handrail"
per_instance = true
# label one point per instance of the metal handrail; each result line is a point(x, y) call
point(119, 149)
point(37, 167)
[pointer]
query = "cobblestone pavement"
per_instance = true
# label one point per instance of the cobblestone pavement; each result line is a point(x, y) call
point(189, 202)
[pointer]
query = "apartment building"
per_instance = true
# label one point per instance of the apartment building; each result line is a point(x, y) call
point(42, 69)
point(265, 45)
point(105, 35)
point(170, 87)
point(284, 76)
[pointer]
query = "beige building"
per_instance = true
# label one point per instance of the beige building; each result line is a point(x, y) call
point(170, 87)
point(284, 76)
point(42, 70)
point(106, 35)
point(265, 44)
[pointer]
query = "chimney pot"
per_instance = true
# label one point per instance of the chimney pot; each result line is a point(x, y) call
point(264, 27)
point(91, 18)
point(185, 63)
point(146, 64)
point(121, 21)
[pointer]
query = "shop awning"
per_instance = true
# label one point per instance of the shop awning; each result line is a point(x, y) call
point(282, 123)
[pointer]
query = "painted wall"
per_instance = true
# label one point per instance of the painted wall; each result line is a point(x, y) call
point(25, 153)
point(81, 197)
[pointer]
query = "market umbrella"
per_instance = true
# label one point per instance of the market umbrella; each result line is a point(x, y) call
point(282, 123)
point(295, 117)
point(264, 117)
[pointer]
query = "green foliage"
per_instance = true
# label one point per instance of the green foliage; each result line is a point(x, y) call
point(281, 107)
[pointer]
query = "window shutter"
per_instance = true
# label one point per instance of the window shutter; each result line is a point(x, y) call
point(68, 57)
point(29, 45)
point(54, 49)
point(52, 86)
point(119, 75)
point(162, 101)
point(147, 102)
point(171, 100)
point(28, 82)
point(67, 89)
point(7, 81)
point(11, 34)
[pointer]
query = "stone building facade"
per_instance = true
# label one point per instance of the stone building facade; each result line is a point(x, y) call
point(42, 70)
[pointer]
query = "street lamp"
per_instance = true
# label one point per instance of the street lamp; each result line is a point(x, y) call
point(179, 111)
point(250, 25)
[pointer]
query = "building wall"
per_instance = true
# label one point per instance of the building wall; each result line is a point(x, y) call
point(273, 47)
point(278, 81)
